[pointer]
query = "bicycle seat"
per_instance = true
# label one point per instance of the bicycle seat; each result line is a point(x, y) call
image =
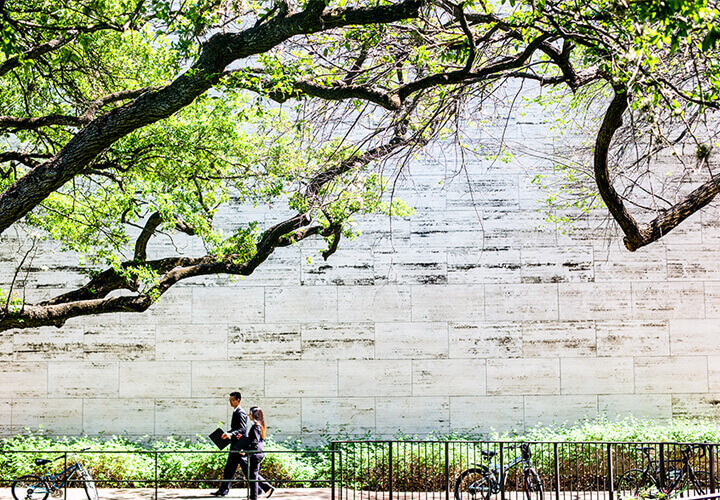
point(488, 454)
point(42, 461)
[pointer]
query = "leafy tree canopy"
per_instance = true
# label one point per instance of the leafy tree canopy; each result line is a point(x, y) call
point(120, 119)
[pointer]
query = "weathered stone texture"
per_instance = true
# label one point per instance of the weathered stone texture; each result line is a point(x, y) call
point(486, 340)
point(375, 378)
point(301, 378)
point(411, 340)
point(541, 410)
point(411, 415)
point(597, 375)
point(474, 313)
point(481, 414)
point(334, 415)
point(523, 376)
point(680, 374)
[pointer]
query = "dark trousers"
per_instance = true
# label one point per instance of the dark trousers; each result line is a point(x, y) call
point(235, 459)
point(254, 474)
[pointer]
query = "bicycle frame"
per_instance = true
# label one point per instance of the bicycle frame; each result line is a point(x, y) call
point(652, 471)
point(61, 479)
point(502, 480)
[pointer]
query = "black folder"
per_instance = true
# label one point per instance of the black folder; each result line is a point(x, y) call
point(216, 437)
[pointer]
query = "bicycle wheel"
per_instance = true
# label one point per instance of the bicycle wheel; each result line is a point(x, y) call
point(30, 487)
point(475, 484)
point(630, 483)
point(533, 485)
point(701, 482)
point(89, 485)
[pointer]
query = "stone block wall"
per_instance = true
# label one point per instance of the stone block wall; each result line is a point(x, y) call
point(473, 314)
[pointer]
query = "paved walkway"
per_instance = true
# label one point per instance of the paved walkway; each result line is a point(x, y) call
point(294, 493)
point(180, 494)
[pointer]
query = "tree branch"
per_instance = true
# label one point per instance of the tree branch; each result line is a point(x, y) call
point(141, 244)
point(28, 159)
point(34, 123)
point(33, 53)
point(215, 55)
point(637, 236)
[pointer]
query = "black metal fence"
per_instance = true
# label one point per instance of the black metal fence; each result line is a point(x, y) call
point(403, 470)
point(408, 470)
point(158, 469)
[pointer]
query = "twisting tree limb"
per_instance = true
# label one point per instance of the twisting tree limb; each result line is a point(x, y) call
point(141, 244)
point(28, 159)
point(94, 297)
point(637, 236)
point(34, 123)
point(215, 55)
point(37, 51)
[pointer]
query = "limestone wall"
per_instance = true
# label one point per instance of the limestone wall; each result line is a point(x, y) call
point(473, 314)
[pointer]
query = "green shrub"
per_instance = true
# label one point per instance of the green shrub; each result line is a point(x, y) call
point(365, 465)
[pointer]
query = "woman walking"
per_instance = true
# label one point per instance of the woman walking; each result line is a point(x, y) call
point(254, 443)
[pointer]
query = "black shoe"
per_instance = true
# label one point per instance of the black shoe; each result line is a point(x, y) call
point(269, 492)
point(220, 493)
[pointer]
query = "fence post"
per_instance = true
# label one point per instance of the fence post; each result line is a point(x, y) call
point(342, 474)
point(156, 475)
point(611, 488)
point(332, 466)
point(502, 472)
point(662, 463)
point(447, 470)
point(557, 471)
point(711, 451)
point(67, 480)
point(390, 471)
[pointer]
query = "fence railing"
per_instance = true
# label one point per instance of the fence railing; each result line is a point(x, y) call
point(407, 470)
point(402, 470)
point(163, 469)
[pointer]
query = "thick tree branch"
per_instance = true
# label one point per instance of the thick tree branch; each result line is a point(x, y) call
point(637, 236)
point(219, 51)
point(34, 123)
point(461, 76)
point(29, 159)
point(337, 92)
point(94, 297)
point(610, 124)
point(141, 244)
point(37, 51)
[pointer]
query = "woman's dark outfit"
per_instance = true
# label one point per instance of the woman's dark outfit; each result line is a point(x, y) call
point(254, 443)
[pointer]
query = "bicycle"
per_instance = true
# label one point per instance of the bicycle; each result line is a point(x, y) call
point(480, 482)
point(679, 477)
point(35, 487)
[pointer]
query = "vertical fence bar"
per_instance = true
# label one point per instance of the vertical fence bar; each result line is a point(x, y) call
point(390, 471)
point(557, 471)
point(447, 470)
point(332, 471)
point(711, 451)
point(662, 464)
point(502, 472)
point(156, 475)
point(67, 479)
point(342, 474)
point(610, 475)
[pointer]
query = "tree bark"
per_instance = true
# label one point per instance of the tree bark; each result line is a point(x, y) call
point(219, 51)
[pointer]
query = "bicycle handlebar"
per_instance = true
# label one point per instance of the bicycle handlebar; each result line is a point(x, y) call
point(70, 453)
point(688, 450)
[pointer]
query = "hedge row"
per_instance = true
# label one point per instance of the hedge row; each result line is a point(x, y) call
point(121, 462)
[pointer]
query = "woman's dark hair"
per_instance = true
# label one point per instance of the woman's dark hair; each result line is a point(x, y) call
point(257, 415)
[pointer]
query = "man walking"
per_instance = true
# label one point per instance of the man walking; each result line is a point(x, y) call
point(238, 429)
